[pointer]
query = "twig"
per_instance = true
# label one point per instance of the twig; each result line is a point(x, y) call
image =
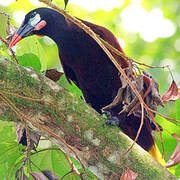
point(39, 126)
point(171, 73)
point(12, 52)
point(73, 167)
point(37, 100)
point(13, 107)
point(46, 149)
point(35, 165)
point(139, 130)
point(164, 116)
point(117, 52)
point(21, 116)
point(66, 175)
point(7, 31)
point(157, 127)
point(101, 44)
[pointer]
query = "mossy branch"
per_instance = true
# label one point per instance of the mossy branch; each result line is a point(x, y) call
point(80, 132)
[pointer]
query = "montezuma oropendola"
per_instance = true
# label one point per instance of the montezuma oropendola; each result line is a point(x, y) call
point(87, 65)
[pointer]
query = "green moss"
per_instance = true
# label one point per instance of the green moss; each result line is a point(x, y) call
point(3, 69)
point(9, 116)
point(79, 110)
point(143, 170)
point(116, 169)
point(83, 142)
point(22, 79)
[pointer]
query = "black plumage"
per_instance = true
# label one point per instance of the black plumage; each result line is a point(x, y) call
point(86, 64)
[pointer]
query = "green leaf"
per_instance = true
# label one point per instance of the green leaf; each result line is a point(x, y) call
point(51, 53)
point(178, 109)
point(169, 142)
point(53, 160)
point(72, 88)
point(31, 45)
point(44, 48)
point(10, 153)
point(30, 60)
point(4, 51)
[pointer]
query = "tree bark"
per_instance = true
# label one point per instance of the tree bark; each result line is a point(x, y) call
point(79, 131)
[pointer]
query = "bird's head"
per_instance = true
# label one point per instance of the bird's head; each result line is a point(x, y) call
point(36, 22)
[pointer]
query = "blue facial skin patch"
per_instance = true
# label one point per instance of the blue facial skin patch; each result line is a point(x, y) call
point(33, 21)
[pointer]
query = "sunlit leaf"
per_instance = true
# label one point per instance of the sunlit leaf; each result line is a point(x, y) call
point(30, 60)
point(31, 45)
point(72, 88)
point(53, 160)
point(51, 53)
point(10, 153)
point(3, 21)
point(4, 52)
point(178, 109)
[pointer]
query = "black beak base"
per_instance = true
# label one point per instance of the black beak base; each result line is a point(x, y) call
point(23, 31)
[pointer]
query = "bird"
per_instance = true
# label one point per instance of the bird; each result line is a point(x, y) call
point(87, 66)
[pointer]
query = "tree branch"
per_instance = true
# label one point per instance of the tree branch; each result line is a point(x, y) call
point(80, 132)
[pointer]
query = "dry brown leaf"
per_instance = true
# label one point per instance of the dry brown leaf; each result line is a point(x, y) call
point(43, 175)
point(20, 133)
point(24, 177)
point(50, 175)
point(172, 94)
point(20, 174)
point(53, 74)
point(11, 30)
point(22, 139)
point(38, 175)
point(175, 158)
point(176, 137)
point(128, 175)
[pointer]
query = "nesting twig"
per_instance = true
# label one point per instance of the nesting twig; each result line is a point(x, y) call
point(24, 118)
point(9, 33)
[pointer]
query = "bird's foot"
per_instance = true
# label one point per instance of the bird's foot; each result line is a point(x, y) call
point(111, 120)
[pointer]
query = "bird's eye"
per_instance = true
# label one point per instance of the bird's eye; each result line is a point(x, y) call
point(33, 14)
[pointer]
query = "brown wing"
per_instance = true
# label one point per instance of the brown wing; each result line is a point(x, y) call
point(111, 39)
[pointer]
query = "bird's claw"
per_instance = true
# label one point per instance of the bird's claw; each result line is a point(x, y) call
point(111, 120)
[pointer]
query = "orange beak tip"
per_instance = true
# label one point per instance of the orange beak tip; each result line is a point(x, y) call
point(10, 46)
point(16, 38)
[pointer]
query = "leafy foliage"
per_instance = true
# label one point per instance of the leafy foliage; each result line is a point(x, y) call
point(30, 60)
point(10, 153)
point(72, 88)
point(34, 48)
point(53, 160)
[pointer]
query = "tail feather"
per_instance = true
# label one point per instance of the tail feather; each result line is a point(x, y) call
point(154, 151)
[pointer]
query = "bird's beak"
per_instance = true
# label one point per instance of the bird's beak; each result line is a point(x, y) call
point(22, 32)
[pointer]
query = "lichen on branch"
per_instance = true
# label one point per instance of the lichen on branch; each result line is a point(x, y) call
point(82, 132)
